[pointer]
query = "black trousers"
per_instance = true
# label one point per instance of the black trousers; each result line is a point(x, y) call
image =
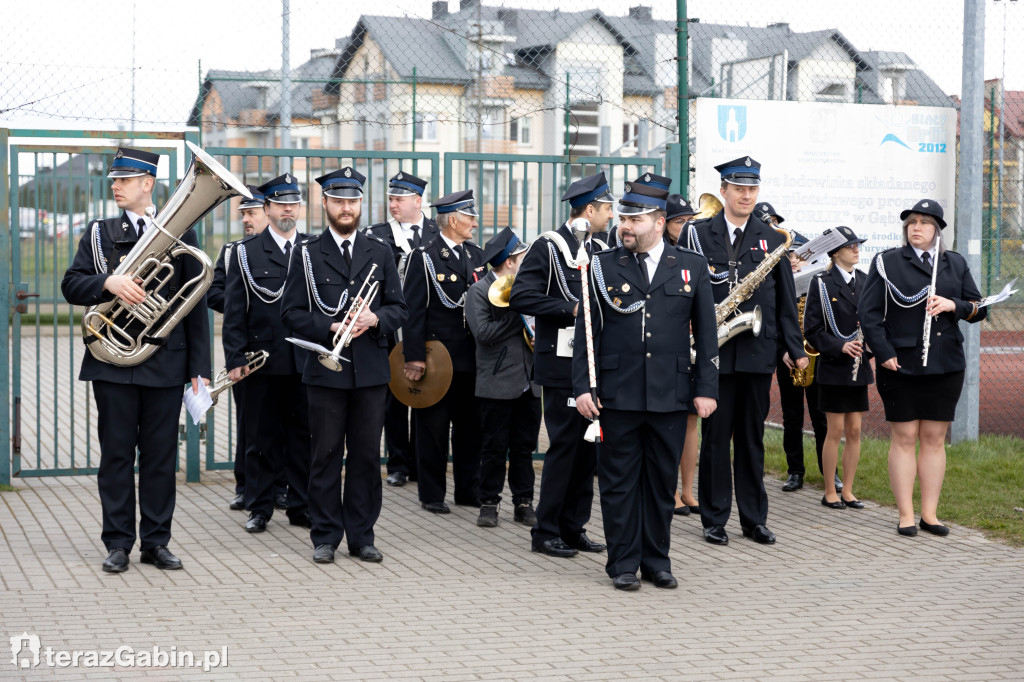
point(131, 417)
point(398, 438)
point(276, 436)
point(510, 428)
point(792, 398)
point(346, 424)
point(743, 401)
point(567, 480)
point(636, 473)
point(457, 409)
point(238, 395)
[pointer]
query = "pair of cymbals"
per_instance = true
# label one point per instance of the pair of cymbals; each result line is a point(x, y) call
point(432, 386)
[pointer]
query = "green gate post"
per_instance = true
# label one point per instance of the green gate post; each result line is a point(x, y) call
point(683, 98)
point(5, 295)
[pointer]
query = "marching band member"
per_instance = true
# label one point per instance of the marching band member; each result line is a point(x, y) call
point(643, 298)
point(509, 402)
point(548, 287)
point(902, 323)
point(137, 407)
point(409, 229)
point(276, 419)
point(735, 242)
point(843, 371)
point(346, 407)
point(254, 221)
point(438, 276)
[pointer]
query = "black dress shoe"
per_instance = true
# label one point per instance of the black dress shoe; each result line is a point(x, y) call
point(525, 514)
point(323, 554)
point(716, 535)
point(585, 544)
point(367, 553)
point(397, 479)
point(436, 507)
point(681, 511)
point(934, 528)
point(281, 501)
point(237, 502)
point(555, 547)
point(909, 531)
point(794, 482)
point(662, 579)
point(839, 484)
point(852, 504)
point(257, 523)
point(838, 504)
point(117, 561)
point(161, 557)
point(626, 582)
point(694, 509)
point(760, 533)
point(302, 519)
point(488, 516)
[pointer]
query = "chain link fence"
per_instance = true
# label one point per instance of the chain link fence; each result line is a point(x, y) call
point(524, 79)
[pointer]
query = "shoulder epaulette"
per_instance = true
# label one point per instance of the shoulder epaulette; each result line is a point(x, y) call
point(686, 250)
point(243, 240)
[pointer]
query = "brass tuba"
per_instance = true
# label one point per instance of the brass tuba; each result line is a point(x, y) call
point(124, 334)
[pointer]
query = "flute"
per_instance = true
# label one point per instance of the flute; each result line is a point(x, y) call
point(927, 316)
point(856, 360)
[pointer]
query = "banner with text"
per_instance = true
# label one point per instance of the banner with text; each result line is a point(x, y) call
point(825, 164)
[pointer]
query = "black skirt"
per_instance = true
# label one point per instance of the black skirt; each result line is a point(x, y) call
point(908, 397)
point(842, 399)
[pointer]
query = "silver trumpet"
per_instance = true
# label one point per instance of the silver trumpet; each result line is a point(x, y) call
point(126, 334)
point(343, 337)
point(220, 383)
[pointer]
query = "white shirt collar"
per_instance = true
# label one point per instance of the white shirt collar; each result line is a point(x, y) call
point(920, 251)
point(133, 218)
point(450, 244)
point(654, 255)
point(339, 240)
point(281, 241)
point(407, 227)
point(847, 276)
point(731, 228)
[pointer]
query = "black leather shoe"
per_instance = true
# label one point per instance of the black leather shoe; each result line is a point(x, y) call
point(467, 503)
point(117, 561)
point(323, 554)
point(694, 509)
point(716, 535)
point(626, 582)
point(367, 553)
point(909, 531)
point(555, 547)
point(794, 482)
point(257, 523)
point(934, 528)
point(488, 516)
point(302, 519)
point(162, 558)
point(681, 511)
point(437, 507)
point(760, 533)
point(585, 544)
point(852, 504)
point(397, 479)
point(662, 579)
point(525, 514)
point(838, 504)
point(839, 484)
point(237, 502)
point(281, 501)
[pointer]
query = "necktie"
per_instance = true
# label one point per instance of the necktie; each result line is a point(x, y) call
point(287, 250)
point(345, 252)
point(926, 258)
point(641, 259)
point(142, 226)
point(458, 251)
point(590, 252)
point(415, 236)
point(737, 236)
point(853, 283)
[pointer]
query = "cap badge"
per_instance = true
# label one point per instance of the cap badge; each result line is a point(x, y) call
point(444, 252)
point(647, 178)
point(287, 179)
point(764, 207)
point(924, 204)
point(398, 177)
point(747, 162)
point(119, 154)
point(628, 188)
point(348, 172)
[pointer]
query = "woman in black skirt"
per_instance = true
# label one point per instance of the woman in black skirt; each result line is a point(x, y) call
point(919, 397)
point(843, 373)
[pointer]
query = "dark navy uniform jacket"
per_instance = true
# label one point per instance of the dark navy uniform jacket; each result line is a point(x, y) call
point(834, 367)
point(186, 353)
point(642, 359)
point(215, 294)
point(429, 318)
point(894, 331)
point(776, 295)
point(385, 231)
point(536, 291)
point(320, 271)
point(252, 323)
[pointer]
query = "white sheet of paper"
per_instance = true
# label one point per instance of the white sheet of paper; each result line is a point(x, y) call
point(802, 279)
point(309, 345)
point(197, 405)
point(816, 249)
point(1001, 296)
point(563, 345)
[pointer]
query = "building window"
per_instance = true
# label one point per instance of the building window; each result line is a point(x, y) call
point(584, 129)
point(521, 130)
point(832, 92)
point(359, 92)
point(425, 128)
point(630, 131)
point(380, 91)
point(359, 134)
point(492, 123)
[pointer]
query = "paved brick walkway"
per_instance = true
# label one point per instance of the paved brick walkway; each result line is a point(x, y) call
point(840, 595)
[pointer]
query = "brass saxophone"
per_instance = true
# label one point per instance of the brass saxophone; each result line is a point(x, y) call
point(804, 377)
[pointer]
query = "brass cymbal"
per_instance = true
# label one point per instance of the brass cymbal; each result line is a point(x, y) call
point(436, 378)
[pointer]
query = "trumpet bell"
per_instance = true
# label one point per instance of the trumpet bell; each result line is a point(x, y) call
point(500, 291)
point(708, 206)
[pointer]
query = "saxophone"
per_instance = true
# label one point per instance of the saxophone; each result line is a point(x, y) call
point(804, 377)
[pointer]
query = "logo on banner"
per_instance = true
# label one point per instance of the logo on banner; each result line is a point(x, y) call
point(732, 122)
point(892, 138)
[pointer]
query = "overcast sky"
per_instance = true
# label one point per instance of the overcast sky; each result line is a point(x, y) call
point(67, 64)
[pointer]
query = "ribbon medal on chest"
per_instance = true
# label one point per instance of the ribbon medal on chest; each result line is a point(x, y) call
point(764, 245)
point(686, 280)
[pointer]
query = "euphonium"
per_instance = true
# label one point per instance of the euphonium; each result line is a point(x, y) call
point(804, 377)
point(254, 360)
point(125, 334)
point(499, 294)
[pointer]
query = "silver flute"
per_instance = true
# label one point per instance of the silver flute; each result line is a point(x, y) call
point(927, 316)
point(856, 360)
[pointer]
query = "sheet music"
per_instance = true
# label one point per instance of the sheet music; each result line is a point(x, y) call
point(817, 249)
point(197, 404)
point(1000, 297)
point(802, 279)
point(309, 345)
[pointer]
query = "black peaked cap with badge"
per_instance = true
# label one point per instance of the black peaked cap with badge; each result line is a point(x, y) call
point(405, 184)
point(284, 189)
point(591, 188)
point(677, 206)
point(851, 239)
point(131, 163)
point(926, 207)
point(766, 210)
point(741, 171)
point(258, 198)
point(344, 183)
point(647, 193)
point(503, 246)
point(456, 202)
